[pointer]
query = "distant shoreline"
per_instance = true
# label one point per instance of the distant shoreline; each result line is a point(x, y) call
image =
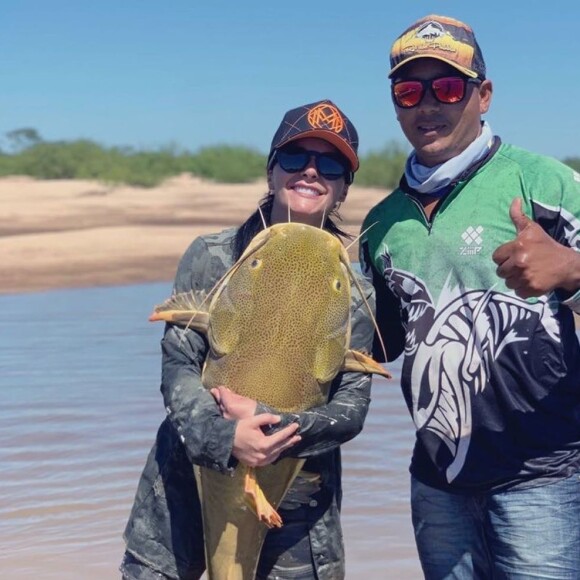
point(57, 234)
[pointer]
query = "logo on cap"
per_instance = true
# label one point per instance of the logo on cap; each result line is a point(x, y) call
point(326, 116)
point(433, 38)
point(430, 30)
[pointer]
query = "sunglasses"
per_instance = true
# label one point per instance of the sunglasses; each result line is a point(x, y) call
point(329, 165)
point(448, 90)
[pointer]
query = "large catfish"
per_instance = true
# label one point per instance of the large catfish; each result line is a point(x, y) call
point(278, 328)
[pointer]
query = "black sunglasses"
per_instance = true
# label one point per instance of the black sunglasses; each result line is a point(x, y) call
point(330, 165)
point(448, 90)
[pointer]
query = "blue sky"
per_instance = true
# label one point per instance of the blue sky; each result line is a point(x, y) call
point(194, 73)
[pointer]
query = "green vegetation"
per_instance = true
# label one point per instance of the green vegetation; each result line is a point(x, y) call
point(84, 159)
point(228, 164)
point(383, 168)
point(26, 153)
point(573, 162)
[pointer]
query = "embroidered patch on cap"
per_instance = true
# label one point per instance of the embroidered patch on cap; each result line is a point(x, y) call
point(326, 116)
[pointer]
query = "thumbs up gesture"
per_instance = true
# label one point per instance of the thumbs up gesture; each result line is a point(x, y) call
point(533, 263)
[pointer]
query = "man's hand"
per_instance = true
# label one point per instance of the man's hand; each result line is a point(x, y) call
point(254, 448)
point(533, 263)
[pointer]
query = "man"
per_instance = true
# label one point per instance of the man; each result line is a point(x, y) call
point(475, 258)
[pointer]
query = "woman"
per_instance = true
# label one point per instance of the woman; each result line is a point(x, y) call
point(311, 164)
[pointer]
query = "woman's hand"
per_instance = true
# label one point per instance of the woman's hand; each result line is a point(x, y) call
point(232, 405)
point(254, 448)
point(251, 445)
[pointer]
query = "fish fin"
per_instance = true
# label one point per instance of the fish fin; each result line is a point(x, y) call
point(257, 502)
point(362, 363)
point(187, 309)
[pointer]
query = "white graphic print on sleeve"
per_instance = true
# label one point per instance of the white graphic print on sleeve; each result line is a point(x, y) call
point(571, 224)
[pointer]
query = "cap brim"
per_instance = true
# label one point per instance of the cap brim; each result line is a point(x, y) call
point(464, 70)
point(331, 138)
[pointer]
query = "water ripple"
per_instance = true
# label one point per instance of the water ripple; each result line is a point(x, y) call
point(79, 409)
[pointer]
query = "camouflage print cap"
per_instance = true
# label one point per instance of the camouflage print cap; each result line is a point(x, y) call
point(323, 120)
point(442, 38)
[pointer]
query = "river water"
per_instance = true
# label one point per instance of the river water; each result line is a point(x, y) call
point(79, 410)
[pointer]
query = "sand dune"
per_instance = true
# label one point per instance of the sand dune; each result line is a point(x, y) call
point(67, 234)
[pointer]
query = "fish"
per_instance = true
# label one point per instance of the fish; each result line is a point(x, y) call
point(278, 328)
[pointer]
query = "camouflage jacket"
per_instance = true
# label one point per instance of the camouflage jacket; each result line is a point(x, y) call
point(164, 528)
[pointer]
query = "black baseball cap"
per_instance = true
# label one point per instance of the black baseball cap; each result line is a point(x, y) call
point(323, 120)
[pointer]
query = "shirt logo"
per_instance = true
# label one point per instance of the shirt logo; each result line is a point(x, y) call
point(472, 240)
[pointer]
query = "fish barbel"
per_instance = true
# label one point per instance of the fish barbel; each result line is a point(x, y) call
point(278, 329)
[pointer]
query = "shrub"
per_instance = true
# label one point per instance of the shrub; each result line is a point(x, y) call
point(383, 168)
point(85, 159)
point(573, 162)
point(229, 164)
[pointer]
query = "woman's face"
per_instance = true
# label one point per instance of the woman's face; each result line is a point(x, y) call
point(305, 196)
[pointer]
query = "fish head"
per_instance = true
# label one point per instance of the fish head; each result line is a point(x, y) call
point(289, 292)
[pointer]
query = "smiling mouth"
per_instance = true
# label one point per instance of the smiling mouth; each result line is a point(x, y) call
point(306, 191)
point(427, 128)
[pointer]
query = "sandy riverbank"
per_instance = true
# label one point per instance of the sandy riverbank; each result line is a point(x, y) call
point(68, 234)
point(74, 234)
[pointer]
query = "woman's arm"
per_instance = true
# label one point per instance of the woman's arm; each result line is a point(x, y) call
point(207, 436)
point(210, 439)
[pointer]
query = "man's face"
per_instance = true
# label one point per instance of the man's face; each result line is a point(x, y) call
point(440, 131)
